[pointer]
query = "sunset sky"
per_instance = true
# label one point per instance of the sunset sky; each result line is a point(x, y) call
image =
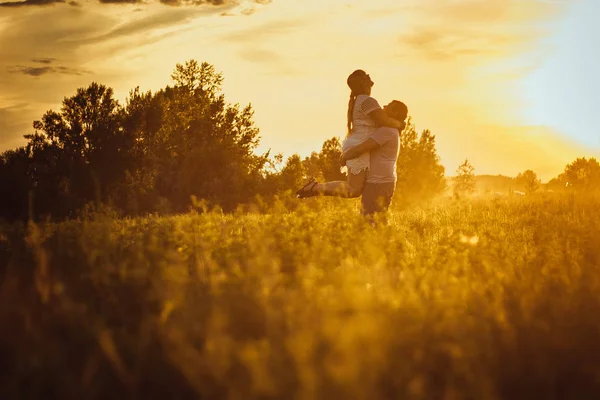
point(509, 84)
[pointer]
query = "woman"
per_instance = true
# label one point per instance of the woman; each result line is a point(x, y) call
point(365, 115)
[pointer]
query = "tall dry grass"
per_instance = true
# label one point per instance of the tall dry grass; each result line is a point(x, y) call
point(495, 299)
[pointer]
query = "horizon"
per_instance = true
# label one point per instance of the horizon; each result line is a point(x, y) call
point(481, 76)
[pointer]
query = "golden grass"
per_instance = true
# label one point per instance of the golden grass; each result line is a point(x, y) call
point(466, 300)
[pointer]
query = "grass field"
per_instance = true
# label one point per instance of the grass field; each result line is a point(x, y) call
point(492, 299)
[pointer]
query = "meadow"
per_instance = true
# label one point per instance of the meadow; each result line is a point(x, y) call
point(481, 299)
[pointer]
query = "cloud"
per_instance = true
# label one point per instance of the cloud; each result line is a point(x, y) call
point(44, 60)
point(257, 43)
point(47, 68)
point(437, 45)
point(38, 71)
point(32, 71)
point(265, 56)
point(274, 62)
point(30, 3)
point(267, 30)
point(486, 12)
point(142, 25)
point(26, 3)
point(471, 29)
point(468, 29)
point(28, 35)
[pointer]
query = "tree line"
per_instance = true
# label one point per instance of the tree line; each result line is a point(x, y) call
point(160, 151)
point(579, 176)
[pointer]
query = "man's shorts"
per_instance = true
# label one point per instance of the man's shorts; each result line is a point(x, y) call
point(377, 197)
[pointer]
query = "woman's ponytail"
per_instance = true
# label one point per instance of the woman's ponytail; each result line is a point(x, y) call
point(351, 103)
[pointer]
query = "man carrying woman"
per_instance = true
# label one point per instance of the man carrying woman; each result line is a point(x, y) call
point(370, 150)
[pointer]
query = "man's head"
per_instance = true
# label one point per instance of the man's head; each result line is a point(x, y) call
point(397, 110)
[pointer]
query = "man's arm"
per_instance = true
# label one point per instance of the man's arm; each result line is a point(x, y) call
point(355, 151)
point(371, 107)
point(382, 119)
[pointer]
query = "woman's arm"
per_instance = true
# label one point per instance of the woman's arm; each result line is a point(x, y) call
point(355, 151)
point(382, 119)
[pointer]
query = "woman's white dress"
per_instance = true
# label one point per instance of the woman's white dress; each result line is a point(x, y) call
point(362, 127)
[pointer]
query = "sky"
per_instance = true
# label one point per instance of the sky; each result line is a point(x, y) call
point(509, 85)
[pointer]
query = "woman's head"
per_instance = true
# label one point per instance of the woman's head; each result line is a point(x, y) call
point(359, 82)
point(397, 110)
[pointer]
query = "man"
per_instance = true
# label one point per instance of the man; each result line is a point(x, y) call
point(384, 146)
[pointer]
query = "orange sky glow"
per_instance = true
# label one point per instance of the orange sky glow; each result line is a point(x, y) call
point(455, 63)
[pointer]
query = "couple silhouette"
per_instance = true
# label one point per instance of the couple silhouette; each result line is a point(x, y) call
point(369, 151)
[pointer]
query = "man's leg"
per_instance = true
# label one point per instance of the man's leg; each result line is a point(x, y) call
point(376, 199)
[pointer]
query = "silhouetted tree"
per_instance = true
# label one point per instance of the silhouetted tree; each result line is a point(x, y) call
point(325, 165)
point(312, 166)
point(14, 168)
point(464, 182)
point(581, 175)
point(200, 145)
point(143, 117)
point(77, 154)
point(329, 160)
point(528, 180)
point(292, 174)
point(155, 153)
point(420, 174)
point(556, 184)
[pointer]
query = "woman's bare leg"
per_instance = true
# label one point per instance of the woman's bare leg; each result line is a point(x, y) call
point(349, 189)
